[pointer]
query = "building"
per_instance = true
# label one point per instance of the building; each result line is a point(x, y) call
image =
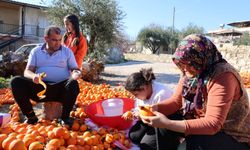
point(228, 35)
point(21, 23)
point(242, 26)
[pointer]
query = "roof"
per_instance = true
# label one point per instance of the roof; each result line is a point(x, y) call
point(17, 2)
point(240, 24)
point(225, 32)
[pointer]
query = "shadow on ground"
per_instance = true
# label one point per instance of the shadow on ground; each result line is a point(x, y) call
point(128, 63)
point(112, 79)
point(105, 74)
point(167, 78)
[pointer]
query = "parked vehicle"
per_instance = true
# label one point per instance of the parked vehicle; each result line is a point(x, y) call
point(20, 54)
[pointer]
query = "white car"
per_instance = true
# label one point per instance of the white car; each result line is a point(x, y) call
point(20, 54)
point(25, 49)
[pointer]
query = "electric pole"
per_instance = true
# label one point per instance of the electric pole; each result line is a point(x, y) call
point(172, 47)
point(173, 21)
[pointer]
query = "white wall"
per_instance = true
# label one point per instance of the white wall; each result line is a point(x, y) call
point(35, 21)
point(9, 14)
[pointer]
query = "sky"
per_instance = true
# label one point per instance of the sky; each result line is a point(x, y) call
point(208, 14)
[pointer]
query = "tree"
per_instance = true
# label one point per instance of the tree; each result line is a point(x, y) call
point(243, 40)
point(153, 37)
point(174, 39)
point(99, 20)
point(191, 29)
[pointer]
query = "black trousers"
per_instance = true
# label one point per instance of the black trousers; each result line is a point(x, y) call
point(145, 136)
point(24, 89)
point(219, 141)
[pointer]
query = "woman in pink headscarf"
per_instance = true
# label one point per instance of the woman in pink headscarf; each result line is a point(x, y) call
point(210, 97)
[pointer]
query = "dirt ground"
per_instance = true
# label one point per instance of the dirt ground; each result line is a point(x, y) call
point(166, 73)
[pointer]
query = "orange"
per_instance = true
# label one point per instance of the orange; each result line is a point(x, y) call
point(106, 145)
point(40, 139)
point(66, 135)
point(29, 136)
point(6, 142)
point(74, 134)
point(62, 141)
point(100, 146)
point(72, 147)
point(102, 131)
point(71, 141)
point(20, 136)
point(51, 135)
point(17, 144)
point(55, 142)
point(86, 134)
point(62, 148)
point(88, 140)
point(109, 138)
point(94, 148)
point(2, 137)
point(75, 126)
point(128, 115)
point(59, 132)
point(83, 127)
point(50, 147)
point(13, 134)
point(80, 140)
point(36, 146)
point(28, 141)
point(79, 147)
point(127, 143)
point(145, 111)
point(6, 130)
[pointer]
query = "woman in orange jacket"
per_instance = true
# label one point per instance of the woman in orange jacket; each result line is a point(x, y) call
point(73, 39)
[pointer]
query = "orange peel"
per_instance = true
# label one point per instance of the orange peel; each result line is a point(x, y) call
point(41, 94)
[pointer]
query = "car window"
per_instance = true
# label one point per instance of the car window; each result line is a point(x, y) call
point(25, 49)
point(21, 50)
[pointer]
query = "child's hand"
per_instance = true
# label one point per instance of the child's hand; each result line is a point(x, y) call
point(128, 115)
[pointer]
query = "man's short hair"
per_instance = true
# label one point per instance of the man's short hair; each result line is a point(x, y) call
point(52, 29)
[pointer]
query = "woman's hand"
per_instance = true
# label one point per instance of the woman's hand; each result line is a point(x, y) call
point(158, 121)
point(154, 107)
point(161, 121)
point(136, 115)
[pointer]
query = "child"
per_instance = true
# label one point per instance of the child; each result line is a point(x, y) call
point(147, 92)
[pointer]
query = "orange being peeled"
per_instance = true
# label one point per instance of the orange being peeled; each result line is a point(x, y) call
point(145, 111)
point(128, 115)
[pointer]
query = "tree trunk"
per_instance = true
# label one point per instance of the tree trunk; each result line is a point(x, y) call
point(92, 43)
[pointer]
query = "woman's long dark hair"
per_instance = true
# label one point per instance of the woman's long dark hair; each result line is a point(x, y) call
point(75, 22)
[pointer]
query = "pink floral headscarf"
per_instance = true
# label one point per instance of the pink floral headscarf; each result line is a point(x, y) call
point(200, 53)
